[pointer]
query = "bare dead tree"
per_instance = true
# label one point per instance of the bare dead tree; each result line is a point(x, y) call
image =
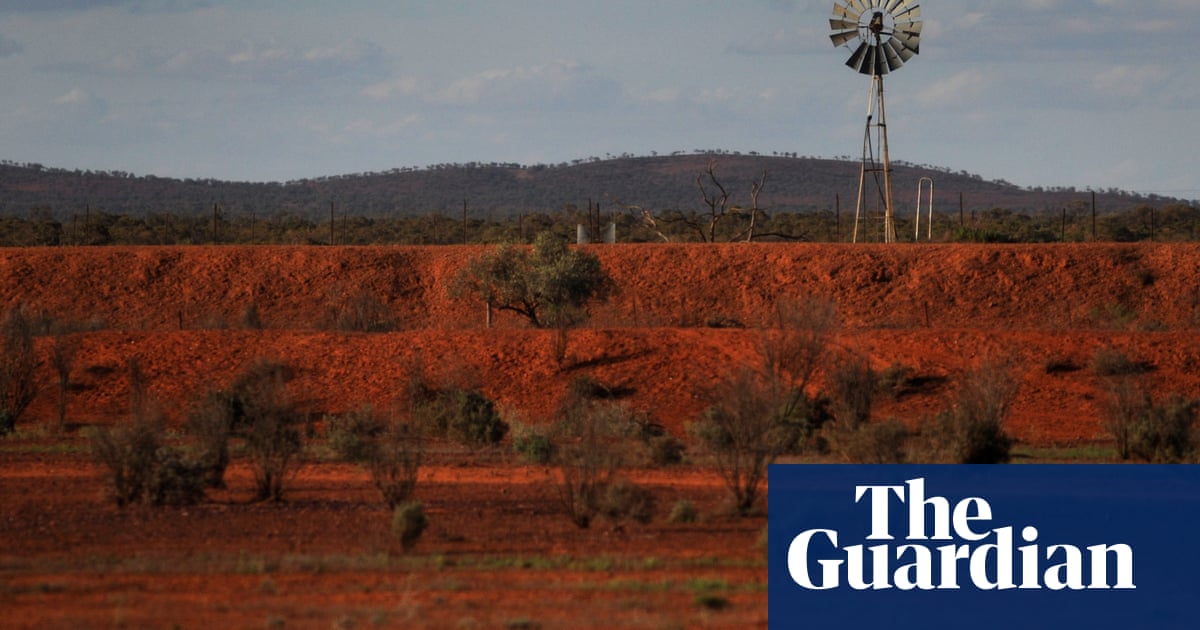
point(756, 188)
point(648, 220)
point(717, 200)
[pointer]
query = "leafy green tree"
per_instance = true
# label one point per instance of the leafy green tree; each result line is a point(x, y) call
point(549, 286)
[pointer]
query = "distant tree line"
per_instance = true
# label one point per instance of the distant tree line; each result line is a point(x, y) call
point(40, 227)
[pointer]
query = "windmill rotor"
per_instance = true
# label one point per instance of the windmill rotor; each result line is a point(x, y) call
point(882, 34)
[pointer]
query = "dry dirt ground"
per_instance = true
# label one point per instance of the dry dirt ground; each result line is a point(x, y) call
point(498, 552)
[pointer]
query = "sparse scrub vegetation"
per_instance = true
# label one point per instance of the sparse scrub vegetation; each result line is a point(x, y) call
point(972, 431)
point(593, 442)
point(851, 389)
point(683, 512)
point(62, 359)
point(1151, 432)
point(1109, 361)
point(138, 466)
point(18, 366)
point(257, 409)
point(760, 415)
point(532, 444)
point(361, 311)
point(408, 523)
point(392, 451)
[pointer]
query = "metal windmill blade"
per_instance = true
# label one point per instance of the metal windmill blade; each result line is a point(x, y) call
point(881, 34)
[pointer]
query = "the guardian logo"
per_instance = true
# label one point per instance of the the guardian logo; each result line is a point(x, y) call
point(948, 546)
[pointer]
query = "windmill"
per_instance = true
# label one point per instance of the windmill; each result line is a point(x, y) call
point(882, 35)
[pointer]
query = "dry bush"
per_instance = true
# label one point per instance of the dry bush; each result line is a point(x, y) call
point(1148, 431)
point(871, 443)
point(138, 466)
point(260, 412)
point(532, 444)
point(391, 451)
point(353, 436)
point(62, 359)
point(1113, 362)
point(746, 431)
point(972, 430)
point(851, 390)
point(396, 462)
point(760, 415)
point(408, 523)
point(592, 443)
point(18, 366)
point(128, 455)
point(683, 512)
point(362, 311)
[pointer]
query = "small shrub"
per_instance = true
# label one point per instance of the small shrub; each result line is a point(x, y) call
point(683, 512)
point(139, 469)
point(532, 445)
point(894, 380)
point(353, 436)
point(391, 452)
point(363, 312)
point(1167, 434)
point(594, 442)
point(622, 500)
point(395, 461)
point(18, 366)
point(872, 443)
point(972, 430)
point(210, 426)
point(755, 421)
point(408, 523)
point(1148, 431)
point(177, 480)
point(260, 413)
point(1112, 362)
point(465, 415)
point(250, 318)
point(665, 450)
point(851, 389)
point(473, 419)
point(128, 455)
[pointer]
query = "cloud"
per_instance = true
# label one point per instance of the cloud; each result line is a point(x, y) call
point(952, 90)
point(1130, 80)
point(562, 84)
point(255, 62)
point(386, 90)
point(391, 127)
point(79, 104)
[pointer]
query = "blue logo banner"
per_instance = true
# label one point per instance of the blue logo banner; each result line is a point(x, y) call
point(1014, 546)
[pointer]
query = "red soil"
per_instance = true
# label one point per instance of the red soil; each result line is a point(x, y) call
point(68, 558)
point(936, 309)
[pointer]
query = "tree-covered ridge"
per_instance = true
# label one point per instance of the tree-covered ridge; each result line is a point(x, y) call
point(498, 191)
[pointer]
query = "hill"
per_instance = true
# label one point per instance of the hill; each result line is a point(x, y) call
point(794, 184)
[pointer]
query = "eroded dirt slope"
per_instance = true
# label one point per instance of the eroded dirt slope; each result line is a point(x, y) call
point(936, 309)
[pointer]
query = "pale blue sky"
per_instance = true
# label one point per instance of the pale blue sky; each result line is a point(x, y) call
point(1081, 93)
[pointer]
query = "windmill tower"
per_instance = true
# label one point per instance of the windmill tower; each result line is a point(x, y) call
point(882, 34)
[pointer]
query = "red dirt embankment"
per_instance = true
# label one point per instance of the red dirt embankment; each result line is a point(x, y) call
point(936, 309)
